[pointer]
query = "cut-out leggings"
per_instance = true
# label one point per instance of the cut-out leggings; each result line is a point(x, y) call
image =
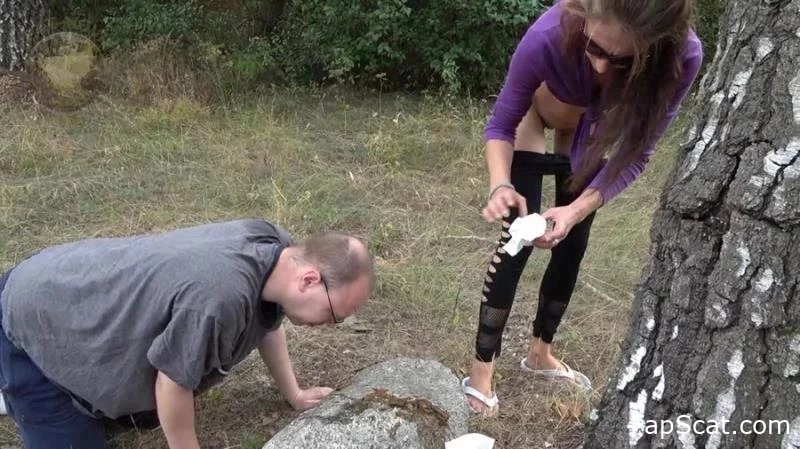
point(503, 274)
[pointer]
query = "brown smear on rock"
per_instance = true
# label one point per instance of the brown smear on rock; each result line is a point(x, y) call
point(432, 422)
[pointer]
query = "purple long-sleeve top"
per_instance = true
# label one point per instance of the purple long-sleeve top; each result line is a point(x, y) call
point(539, 57)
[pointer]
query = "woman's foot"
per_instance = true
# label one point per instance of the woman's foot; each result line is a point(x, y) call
point(480, 379)
point(542, 363)
point(545, 361)
point(540, 356)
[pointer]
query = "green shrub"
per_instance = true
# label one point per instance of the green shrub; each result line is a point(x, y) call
point(140, 20)
point(457, 45)
point(254, 62)
point(462, 46)
point(84, 17)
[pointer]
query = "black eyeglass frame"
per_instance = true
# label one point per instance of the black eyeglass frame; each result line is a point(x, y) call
point(328, 294)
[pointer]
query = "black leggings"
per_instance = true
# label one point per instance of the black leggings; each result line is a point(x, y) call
point(502, 276)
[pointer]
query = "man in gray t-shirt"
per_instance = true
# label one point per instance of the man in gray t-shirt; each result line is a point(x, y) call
point(104, 328)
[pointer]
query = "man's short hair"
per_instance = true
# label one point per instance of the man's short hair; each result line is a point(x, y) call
point(341, 258)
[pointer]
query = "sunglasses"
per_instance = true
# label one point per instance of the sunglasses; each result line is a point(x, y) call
point(591, 47)
point(328, 294)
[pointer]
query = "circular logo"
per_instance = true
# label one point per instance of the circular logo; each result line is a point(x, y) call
point(65, 71)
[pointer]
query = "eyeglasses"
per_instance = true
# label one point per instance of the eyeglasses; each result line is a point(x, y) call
point(328, 294)
point(591, 47)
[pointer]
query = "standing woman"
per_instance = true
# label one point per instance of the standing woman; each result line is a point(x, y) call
point(608, 76)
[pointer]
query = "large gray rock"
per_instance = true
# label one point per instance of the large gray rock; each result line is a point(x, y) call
point(398, 404)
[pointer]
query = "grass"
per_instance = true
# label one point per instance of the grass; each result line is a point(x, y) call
point(407, 173)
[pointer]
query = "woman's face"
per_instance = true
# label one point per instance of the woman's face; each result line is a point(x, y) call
point(607, 46)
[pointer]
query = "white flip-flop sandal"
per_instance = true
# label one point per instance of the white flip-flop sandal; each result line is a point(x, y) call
point(490, 402)
point(557, 374)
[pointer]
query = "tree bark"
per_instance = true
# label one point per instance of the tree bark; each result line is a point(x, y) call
point(715, 333)
point(272, 14)
point(20, 26)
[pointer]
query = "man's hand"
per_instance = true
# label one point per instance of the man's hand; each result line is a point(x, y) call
point(306, 399)
point(175, 406)
point(275, 353)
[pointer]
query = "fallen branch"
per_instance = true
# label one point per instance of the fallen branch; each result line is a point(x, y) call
point(600, 293)
point(470, 237)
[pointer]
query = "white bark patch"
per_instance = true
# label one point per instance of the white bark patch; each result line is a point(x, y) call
point(738, 87)
point(792, 369)
point(765, 281)
point(794, 345)
point(724, 134)
point(674, 332)
point(774, 160)
point(636, 418)
point(793, 171)
point(778, 201)
point(765, 47)
point(792, 438)
point(658, 391)
point(692, 133)
point(722, 314)
point(706, 135)
point(694, 158)
point(759, 181)
point(744, 258)
point(735, 366)
point(687, 440)
point(762, 285)
point(726, 401)
point(650, 322)
point(630, 371)
point(794, 92)
point(713, 122)
point(757, 314)
point(793, 364)
point(728, 45)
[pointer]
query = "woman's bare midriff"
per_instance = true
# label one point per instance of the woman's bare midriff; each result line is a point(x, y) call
point(547, 111)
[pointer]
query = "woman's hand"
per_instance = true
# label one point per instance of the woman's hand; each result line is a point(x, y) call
point(564, 218)
point(499, 204)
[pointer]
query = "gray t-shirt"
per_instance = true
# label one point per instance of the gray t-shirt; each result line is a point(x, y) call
point(101, 316)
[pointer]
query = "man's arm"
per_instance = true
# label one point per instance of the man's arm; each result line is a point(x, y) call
point(175, 406)
point(275, 354)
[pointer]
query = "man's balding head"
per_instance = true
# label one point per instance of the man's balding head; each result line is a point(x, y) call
point(342, 259)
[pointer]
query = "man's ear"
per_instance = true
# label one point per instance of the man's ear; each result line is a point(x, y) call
point(309, 277)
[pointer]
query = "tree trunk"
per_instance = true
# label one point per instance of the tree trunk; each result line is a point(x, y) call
point(273, 12)
point(715, 333)
point(20, 24)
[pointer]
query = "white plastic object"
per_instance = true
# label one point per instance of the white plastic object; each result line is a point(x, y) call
point(524, 231)
point(470, 441)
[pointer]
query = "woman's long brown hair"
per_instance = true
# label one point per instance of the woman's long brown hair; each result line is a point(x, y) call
point(636, 102)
